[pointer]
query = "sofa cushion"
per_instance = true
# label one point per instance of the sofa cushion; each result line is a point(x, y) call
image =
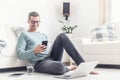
point(18, 30)
point(116, 28)
point(11, 40)
point(102, 48)
point(2, 45)
point(103, 33)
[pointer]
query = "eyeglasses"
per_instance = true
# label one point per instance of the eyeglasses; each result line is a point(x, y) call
point(33, 22)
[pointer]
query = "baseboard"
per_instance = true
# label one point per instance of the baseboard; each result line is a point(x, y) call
point(100, 65)
point(22, 68)
point(108, 66)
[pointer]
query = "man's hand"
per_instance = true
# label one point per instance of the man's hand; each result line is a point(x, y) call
point(39, 48)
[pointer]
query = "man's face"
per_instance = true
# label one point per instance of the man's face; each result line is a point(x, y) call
point(34, 23)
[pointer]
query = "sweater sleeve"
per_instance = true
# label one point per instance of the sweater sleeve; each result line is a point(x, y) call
point(20, 48)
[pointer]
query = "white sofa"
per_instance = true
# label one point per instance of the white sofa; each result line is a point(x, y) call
point(106, 52)
point(8, 58)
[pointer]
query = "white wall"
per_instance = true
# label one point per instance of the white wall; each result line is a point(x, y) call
point(84, 13)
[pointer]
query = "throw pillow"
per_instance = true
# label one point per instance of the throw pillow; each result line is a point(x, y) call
point(103, 33)
point(2, 45)
point(18, 30)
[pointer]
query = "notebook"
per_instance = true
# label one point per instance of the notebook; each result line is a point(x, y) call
point(82, 70)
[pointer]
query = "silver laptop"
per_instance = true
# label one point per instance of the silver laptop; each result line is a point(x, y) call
point(82, 70)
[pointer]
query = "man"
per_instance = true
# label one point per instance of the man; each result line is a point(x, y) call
point(29, 47)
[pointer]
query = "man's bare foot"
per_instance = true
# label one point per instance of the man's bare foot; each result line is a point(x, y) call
point(93, 72)
point(71, 67)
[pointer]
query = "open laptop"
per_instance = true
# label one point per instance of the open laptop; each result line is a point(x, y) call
point(82, 70)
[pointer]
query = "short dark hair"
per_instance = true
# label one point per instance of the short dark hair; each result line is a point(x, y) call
point(35, 14)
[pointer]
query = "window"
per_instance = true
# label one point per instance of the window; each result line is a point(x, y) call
point(115, 10)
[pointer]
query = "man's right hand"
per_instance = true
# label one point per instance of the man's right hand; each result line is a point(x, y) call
point(39, 48)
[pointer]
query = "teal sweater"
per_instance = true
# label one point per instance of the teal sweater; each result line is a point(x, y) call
point(27, 41)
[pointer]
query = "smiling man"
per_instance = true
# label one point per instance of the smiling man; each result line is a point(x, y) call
point(29, 47)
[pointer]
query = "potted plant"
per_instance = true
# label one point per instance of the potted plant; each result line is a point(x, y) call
point(67, 28)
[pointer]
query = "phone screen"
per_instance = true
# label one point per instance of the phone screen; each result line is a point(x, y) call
point(44, 43)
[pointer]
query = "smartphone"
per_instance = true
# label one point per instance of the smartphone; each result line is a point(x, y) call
point(44, 43)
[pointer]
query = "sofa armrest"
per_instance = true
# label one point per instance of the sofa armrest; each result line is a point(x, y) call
point(77, 43)
point(86, 40)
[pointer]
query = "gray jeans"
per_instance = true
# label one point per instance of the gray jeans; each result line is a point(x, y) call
point(53, 64)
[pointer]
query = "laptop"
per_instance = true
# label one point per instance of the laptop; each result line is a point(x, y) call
point(82, 70)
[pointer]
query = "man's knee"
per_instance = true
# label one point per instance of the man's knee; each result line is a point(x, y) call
point(59, 68)
point(62, 36)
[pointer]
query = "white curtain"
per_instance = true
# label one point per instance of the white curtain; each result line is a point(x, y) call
point(104, 11)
